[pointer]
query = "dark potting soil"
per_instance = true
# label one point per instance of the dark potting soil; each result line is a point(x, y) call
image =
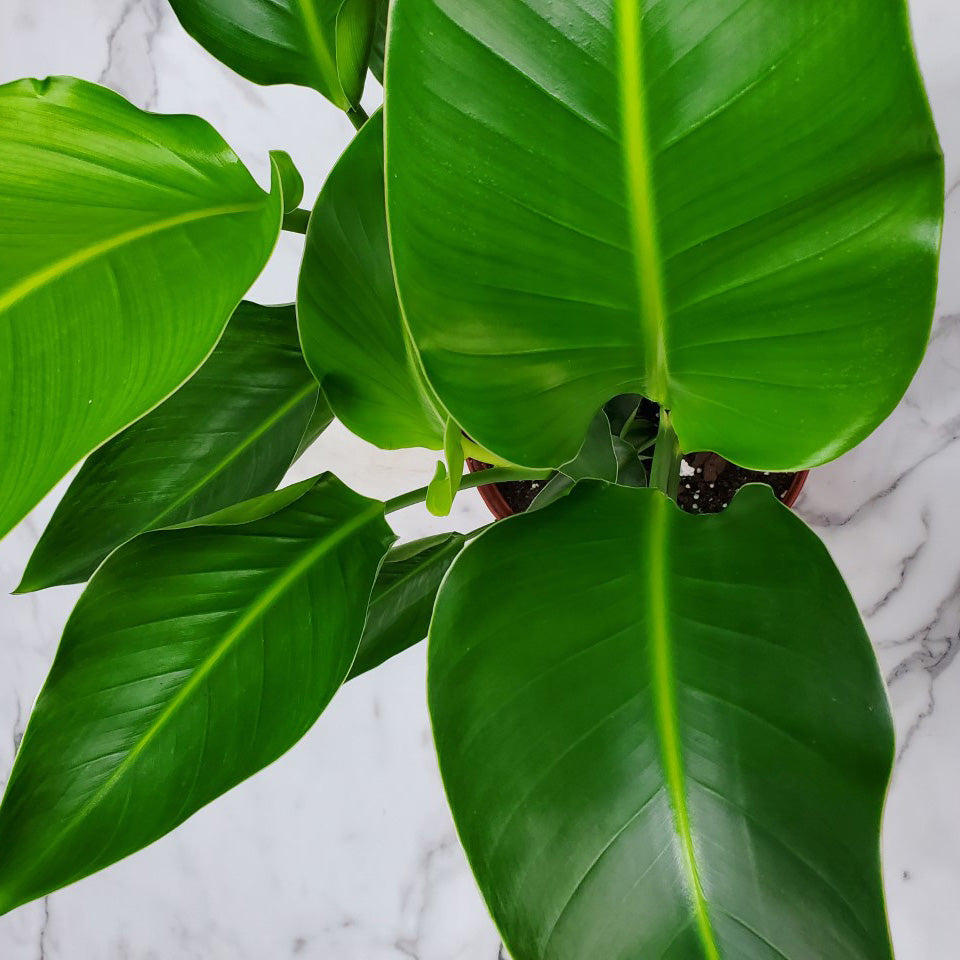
point(713, 482)
point(708, 487)
point(521, 494)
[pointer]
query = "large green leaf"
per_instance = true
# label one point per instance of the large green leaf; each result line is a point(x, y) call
point(663, 736)
point(403, 597)
point(354, 337)
point(729, 206)
point(126, 241)
point(228, 434)
point(196, 656)
point(324, 44)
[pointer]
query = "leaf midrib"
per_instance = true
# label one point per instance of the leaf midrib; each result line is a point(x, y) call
point(60, 268)
point(640, 196)
point(260, 605)
point(415, 571)
point(663, 685)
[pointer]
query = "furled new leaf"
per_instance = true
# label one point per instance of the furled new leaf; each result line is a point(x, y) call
point(226, 435)
point(630, 470)
point(597, 459)
point(378, 49)
point(196, 656)
point(324, 44)
point(354, 337)
point(403, 596)
point(731, 207)
point(449, 473)
point(663, 735)
point(290, 178)
point(128, 240)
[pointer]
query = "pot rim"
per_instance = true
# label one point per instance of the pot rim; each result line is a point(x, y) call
point(498, 506)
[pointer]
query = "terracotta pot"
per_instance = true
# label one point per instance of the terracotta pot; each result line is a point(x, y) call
point(793, 491)
point(498, 506)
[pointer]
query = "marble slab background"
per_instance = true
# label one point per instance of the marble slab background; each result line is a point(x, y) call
point(344, 848)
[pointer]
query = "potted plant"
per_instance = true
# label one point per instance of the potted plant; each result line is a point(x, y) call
point(582, 240)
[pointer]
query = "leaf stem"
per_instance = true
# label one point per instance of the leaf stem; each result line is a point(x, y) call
point(665, 471)
point(473, 449)
point(358, 116)
point(296, 221)
point(479, 479)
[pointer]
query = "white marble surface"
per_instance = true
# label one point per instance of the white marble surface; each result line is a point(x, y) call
point(344, 849)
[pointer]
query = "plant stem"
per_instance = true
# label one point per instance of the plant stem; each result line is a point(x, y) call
point(358, 116)
point(473, 449)
point(296, 220)
point(665, 471)
point(479, 479)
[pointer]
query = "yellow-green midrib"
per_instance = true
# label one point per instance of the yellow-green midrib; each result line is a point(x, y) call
point(656, 558)
point(641, 196)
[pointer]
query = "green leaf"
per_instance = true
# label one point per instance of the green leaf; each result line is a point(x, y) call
point(290, 178)
point(131, 238)
point(320, 419)
point(597, 459)
point(446, 480)
point(355, 27)
point(663, 735)
point(453, 452)
point(379, 41)
point(438, 500)
point(630, 469)
point(228, 434)
point(402, 603)
point(196, 656)
point(353, 334)
point(313, 43)
point(731, 207)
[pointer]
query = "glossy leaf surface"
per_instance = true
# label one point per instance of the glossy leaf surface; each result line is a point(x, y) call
point(196, 656)
point(663, 735)
point(403, 596)
point(226, 435)
point(129, 239)
point(353, 334)
point(732, 208)
point(324, 44)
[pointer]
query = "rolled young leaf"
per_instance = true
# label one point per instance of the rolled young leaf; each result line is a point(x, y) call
point(324, 44)
point(403, 596)
point(230, 433)
point(378, 50)
point(353, 334)
point(130, 239)
point(290, 178)
point(597, 459)
point(196, 656)
point(663, 735)
point(731, 207)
